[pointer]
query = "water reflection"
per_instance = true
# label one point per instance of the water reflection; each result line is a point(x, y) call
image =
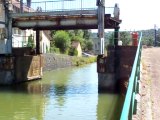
point(62, 94)
point(18, 106)
point(113, 107)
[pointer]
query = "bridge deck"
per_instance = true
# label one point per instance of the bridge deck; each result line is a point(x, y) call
point(57, 20)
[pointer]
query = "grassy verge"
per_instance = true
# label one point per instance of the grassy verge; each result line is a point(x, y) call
point(77, 61)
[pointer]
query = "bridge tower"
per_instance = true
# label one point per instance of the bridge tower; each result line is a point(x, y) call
point(101, 14)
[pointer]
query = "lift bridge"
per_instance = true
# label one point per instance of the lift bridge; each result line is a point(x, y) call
point(18, 64)
point(114, 70)
point(64, 15)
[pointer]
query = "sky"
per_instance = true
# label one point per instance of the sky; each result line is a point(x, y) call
point(135, 14)
point(138, 14)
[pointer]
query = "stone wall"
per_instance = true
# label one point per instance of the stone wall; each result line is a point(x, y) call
point(53, 61)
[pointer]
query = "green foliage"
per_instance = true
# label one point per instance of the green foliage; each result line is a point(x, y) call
point(73, 52)
point(149, 37)
point(111, 39)
point(47, 49)
point(54, 50)
point(31, 41)
point(77, 61)
point(147, 41)
point(87, 34)
point(62, 41)
point(89, 45)
point(125, 37)
point(78, 38)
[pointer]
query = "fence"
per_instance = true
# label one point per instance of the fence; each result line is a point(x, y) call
point(129, 107)
point(59, 5)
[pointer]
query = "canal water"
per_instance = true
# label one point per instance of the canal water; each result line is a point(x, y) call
point(64, 94)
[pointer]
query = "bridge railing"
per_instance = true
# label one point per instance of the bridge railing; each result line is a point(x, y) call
point(129, 107)
point(109, 10)
point(58, 5)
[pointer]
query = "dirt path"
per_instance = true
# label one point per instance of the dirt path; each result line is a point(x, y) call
point(149, 107)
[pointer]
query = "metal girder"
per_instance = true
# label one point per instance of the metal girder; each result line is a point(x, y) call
point(63, 23)
point(58, 24)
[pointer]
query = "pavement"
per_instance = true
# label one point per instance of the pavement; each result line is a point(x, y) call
point(149, 103)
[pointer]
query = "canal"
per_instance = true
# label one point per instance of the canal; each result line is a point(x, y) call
point(64, 94)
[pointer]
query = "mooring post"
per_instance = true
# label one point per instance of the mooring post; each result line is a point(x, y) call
point(101, 13)
point(37, 42)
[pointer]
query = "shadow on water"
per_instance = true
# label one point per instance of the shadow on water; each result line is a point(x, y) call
point(30, 100)
point(53, 81)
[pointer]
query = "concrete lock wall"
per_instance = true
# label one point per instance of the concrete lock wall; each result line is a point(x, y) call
point(28, 67)
point(6, 69)
point(118, 68)
point(23, 66)
point(20, 68)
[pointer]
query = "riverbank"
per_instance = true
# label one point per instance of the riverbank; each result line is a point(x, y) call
point(54, 61)
point(149, 85)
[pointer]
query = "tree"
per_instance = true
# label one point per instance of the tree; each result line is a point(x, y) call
point(111, 39)
point(89, 45)
point(31, 41)
point(62, 41)
point(125, 37)
point(147, 41)
point(87, 34)
point(73, 52)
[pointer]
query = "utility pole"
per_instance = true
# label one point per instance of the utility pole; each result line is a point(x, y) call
point(101, 13)
point(155, 35)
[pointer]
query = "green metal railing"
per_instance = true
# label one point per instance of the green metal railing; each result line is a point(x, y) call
point(129, 107)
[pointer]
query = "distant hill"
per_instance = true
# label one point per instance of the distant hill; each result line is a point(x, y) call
point(148, 36)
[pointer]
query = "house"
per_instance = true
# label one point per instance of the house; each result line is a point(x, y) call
point(77, 46)
point(20, 37)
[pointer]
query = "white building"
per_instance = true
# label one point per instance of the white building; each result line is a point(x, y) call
point(20, 37)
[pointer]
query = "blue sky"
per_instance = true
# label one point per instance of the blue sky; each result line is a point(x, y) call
point(135, 14)
point(139, 14)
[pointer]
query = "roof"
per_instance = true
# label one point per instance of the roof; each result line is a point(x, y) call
point(47, 33)
point(75, 44)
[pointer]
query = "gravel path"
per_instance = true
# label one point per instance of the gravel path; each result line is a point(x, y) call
point(149, 107)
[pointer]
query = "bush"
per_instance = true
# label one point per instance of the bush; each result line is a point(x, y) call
point(31, 42)
point(77, 61)
point(62, 41)
point(54, 50)
point(73, 52)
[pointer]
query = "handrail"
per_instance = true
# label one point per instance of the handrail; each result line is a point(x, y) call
point(128, 106)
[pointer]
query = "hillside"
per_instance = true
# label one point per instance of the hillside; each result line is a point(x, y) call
point(147, 39)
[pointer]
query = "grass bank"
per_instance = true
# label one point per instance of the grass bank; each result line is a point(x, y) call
point(77, 61)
